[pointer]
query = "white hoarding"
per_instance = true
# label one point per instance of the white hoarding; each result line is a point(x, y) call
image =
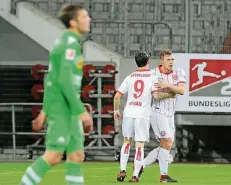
point(208, 87)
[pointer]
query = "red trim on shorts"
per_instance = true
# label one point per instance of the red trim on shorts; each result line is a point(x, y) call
point(154, 91)
point(161, 70)
point(120, 92)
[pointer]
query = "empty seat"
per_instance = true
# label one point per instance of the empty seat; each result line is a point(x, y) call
point(210, 19)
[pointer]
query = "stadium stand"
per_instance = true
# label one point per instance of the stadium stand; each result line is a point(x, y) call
point(140, 24)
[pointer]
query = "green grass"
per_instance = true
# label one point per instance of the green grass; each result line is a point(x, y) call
point(105, 174)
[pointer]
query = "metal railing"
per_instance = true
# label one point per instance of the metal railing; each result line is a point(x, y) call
point(13, 120)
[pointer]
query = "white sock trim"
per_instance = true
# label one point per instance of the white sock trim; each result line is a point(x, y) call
point(26, 180)
point(75, 178)
point(33, 175)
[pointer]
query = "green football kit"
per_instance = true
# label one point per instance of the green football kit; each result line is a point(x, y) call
point(62, 104)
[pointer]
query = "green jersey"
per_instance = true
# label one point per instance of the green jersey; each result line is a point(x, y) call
point(64, 78)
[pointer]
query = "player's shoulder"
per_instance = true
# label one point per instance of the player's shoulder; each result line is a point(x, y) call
point(132, 74)
point(68, 40)
point(155, 69)
point(178, 70)
point(127, 77)
point(141, 73)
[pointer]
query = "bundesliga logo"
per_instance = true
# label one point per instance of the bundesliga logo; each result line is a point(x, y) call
point(210, 77)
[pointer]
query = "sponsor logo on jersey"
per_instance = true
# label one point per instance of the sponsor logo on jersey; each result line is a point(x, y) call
point(71, 40)
point(61, 139)
point(163, 133)
point(70, 54)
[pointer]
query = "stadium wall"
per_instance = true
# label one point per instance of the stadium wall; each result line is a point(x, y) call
point(44, 29)
point(16, 46)
point(38, 25)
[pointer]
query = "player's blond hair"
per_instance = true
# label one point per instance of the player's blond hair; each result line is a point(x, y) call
point(165, 52)
point(68, 12)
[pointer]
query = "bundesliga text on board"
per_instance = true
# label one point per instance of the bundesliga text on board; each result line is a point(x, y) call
point(210, 79)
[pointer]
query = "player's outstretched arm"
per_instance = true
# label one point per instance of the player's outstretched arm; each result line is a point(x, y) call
point(175, 89)
point(163, 95)
point(178, 89)
point(157, 95)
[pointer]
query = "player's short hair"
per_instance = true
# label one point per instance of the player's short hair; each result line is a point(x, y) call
point(142, 58)
point(165, 52)
point(69, 12)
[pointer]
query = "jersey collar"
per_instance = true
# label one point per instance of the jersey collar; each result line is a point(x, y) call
point(161, 71)
point(76, 35)
point(142, 70)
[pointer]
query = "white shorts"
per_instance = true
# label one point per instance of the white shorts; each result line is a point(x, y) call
point(137, 128)
point(163, 126)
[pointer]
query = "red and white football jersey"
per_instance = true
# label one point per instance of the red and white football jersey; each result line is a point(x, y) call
point(139, 86)
point(168, 106)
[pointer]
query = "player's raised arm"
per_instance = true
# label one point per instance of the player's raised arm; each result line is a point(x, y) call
point(163, 95)
point(70, 82)
point(160, 95)
point(180, 88)
point(177, 89)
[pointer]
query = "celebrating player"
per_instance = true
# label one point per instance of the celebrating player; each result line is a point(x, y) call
point(62, 106)
point(171, 81)
point(136, 116)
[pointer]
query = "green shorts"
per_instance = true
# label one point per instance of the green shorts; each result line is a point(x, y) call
point(64, 133)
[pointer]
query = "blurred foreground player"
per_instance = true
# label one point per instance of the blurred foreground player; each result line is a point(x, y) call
point(171, 82)
point(136, 116)
point(62, 106)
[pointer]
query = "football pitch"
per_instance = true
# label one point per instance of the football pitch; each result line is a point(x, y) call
point(105, 174)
